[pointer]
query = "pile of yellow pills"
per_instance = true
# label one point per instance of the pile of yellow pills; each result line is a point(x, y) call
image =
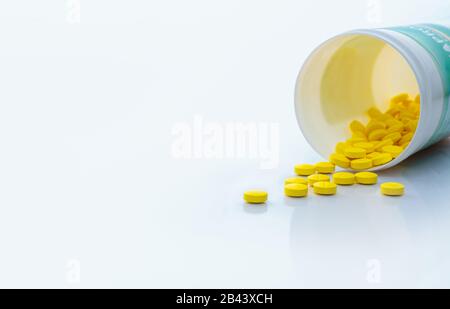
point(325, 188)
point(296, 190)
point(298, 187)
point(383, 138)
point(312, 179)
point(375, 143)
point(255, 197)
point(366, 178)
point(304, 169)
point(392, 189)
point(344, 178)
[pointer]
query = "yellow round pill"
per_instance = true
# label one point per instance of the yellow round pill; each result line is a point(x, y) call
point(404, 145)
point(357, 126)
point(395, 151)
point(361, 164)
point(382, 159)
point(340, 160)
point(374, 125)
point(399, 98)
point(359, 135)
point(325, 168)
point(366, 178)
point(406, 138)
point(411, 125)
point(356, 139)
point(340, 147)
point(296, 190)
point(374, 112)
point(392, 189)
point(384, 117)
point(396, 128)
point(369, 147)
point(344, 178)
point(394, 111)
point(373, 155)
point(395, 137)
point(255, 197)
point(297, 180)
point(325, 188)
point(304, 169)
point(417, 99)
point(317, 178)
point(386, 142)
point(355, 153)
point(392, 122)
point(377, 135)
point(407, 116)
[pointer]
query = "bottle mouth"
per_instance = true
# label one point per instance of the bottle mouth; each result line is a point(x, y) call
point(341, 80)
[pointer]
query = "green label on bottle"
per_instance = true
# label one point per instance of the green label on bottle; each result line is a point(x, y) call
point(436, 40)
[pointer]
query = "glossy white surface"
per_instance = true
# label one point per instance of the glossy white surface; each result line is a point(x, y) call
point(92, 196)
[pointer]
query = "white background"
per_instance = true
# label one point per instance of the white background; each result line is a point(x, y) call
point(91, 194)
